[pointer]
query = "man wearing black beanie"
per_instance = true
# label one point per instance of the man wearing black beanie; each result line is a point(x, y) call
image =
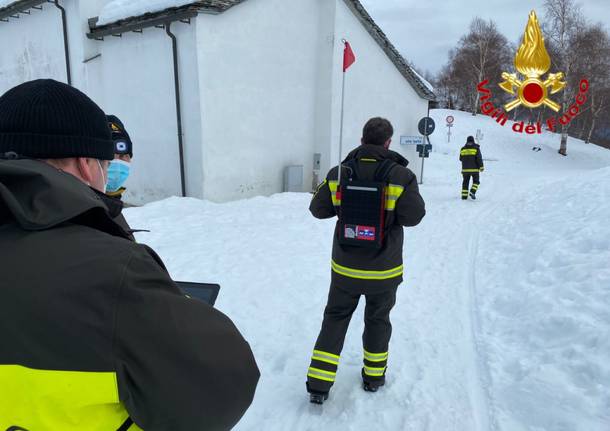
point(95, 334)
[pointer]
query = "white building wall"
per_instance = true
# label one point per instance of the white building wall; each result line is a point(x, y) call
point(134, 78)
point(257, 94)
point(32, 48)
point(374, 88)
point(259, 70)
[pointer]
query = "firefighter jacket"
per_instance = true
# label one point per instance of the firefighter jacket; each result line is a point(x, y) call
point(367, 270)
point(471, 158)
point(95, 334)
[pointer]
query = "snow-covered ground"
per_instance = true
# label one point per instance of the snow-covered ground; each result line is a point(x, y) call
point(502, 322)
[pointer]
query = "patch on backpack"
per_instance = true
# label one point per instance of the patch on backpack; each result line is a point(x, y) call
point(364, 233)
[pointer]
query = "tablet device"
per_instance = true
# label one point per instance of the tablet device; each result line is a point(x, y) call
point(206, 292)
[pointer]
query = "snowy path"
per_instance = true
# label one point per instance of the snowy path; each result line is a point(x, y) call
point(480, 340)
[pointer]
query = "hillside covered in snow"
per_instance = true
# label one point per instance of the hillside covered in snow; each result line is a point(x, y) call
point(502, 322)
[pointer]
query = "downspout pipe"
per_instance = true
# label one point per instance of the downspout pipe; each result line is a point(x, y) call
point(66, 46)
point(178, 108)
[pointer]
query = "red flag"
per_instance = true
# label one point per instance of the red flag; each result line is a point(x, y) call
point(348, 56)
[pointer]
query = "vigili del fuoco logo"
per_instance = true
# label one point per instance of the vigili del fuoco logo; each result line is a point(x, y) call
point(532, 61)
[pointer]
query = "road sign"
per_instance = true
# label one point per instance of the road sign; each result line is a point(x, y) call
point(450, 119)
point(426, 126)
point(411, 140)
point(424, 150)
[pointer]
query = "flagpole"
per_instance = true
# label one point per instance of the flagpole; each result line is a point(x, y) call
point(341, 128)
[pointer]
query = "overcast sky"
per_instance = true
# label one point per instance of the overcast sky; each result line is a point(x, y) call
point(424, 32)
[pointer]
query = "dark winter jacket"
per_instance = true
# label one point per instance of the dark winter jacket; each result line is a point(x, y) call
point(471, 158)
point(93, 329)
point(367, 270)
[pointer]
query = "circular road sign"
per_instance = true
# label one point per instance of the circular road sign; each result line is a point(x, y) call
point(426, 126)
point(450, 119)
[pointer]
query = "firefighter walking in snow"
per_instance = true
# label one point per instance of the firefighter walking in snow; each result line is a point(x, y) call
point(377, 196)
point(472, 165)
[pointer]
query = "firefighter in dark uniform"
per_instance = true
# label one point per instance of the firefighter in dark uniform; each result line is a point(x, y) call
point(472, 165)
point(372, 272)
point(119, 169)
point(95, 334)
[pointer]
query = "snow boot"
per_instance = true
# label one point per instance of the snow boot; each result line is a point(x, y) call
point(473, 196)
point(318, 397)
point(372, 386)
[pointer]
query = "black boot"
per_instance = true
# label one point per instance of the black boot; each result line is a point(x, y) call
point(318, 397)
point(372, 385)
point(473, 196)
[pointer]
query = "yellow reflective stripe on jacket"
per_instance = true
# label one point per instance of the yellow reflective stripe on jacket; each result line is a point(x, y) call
point(468, 152)
point(329, 358)
point(375, 357)
point(319, 374)
point(470, 170)
point(374, 371)
point(365, 274)
point(60, 400)
point(368, 160)
point(333, 185)
point(392, 192)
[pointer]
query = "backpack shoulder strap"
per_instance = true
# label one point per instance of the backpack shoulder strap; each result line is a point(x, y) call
point(384, 169)
point(352, 169)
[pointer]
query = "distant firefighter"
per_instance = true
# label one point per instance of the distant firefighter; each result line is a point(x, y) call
point(472, 165)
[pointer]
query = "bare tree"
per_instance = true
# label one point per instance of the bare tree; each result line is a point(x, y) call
point(564, 21)
point(483, 53)
point(593, 46)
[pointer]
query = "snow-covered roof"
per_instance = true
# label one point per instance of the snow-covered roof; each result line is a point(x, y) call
point(421, 86)
point(424, 80)
point(13, 7)
point(118, 11)
point(6, 3)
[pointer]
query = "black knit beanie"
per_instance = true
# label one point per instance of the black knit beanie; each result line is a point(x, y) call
point(46, 119)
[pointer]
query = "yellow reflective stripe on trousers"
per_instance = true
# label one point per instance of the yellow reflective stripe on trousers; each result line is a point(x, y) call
point(375, 357)
point(367, 275)
point(319, 374)
point(60, 400)
point(475, 186)
point(329, 358)
point(469, 170)
point(469, 152)
point(333, 185)
point(374, 371)
point(393, 193)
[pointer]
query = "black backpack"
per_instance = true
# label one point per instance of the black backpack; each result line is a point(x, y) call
point(362, 210)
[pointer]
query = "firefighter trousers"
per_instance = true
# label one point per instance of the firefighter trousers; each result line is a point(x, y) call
point(465, 183)
point(376, 337)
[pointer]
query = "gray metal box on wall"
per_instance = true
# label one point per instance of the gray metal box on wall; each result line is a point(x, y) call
point(293, 179)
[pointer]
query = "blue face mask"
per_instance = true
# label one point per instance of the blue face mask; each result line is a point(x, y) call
point(118, 171)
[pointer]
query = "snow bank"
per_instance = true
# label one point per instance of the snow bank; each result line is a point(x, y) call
point(121, 9)
point(543, 280)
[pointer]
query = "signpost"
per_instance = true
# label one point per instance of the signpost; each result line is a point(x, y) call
point(426, 127)
point(450, 121)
